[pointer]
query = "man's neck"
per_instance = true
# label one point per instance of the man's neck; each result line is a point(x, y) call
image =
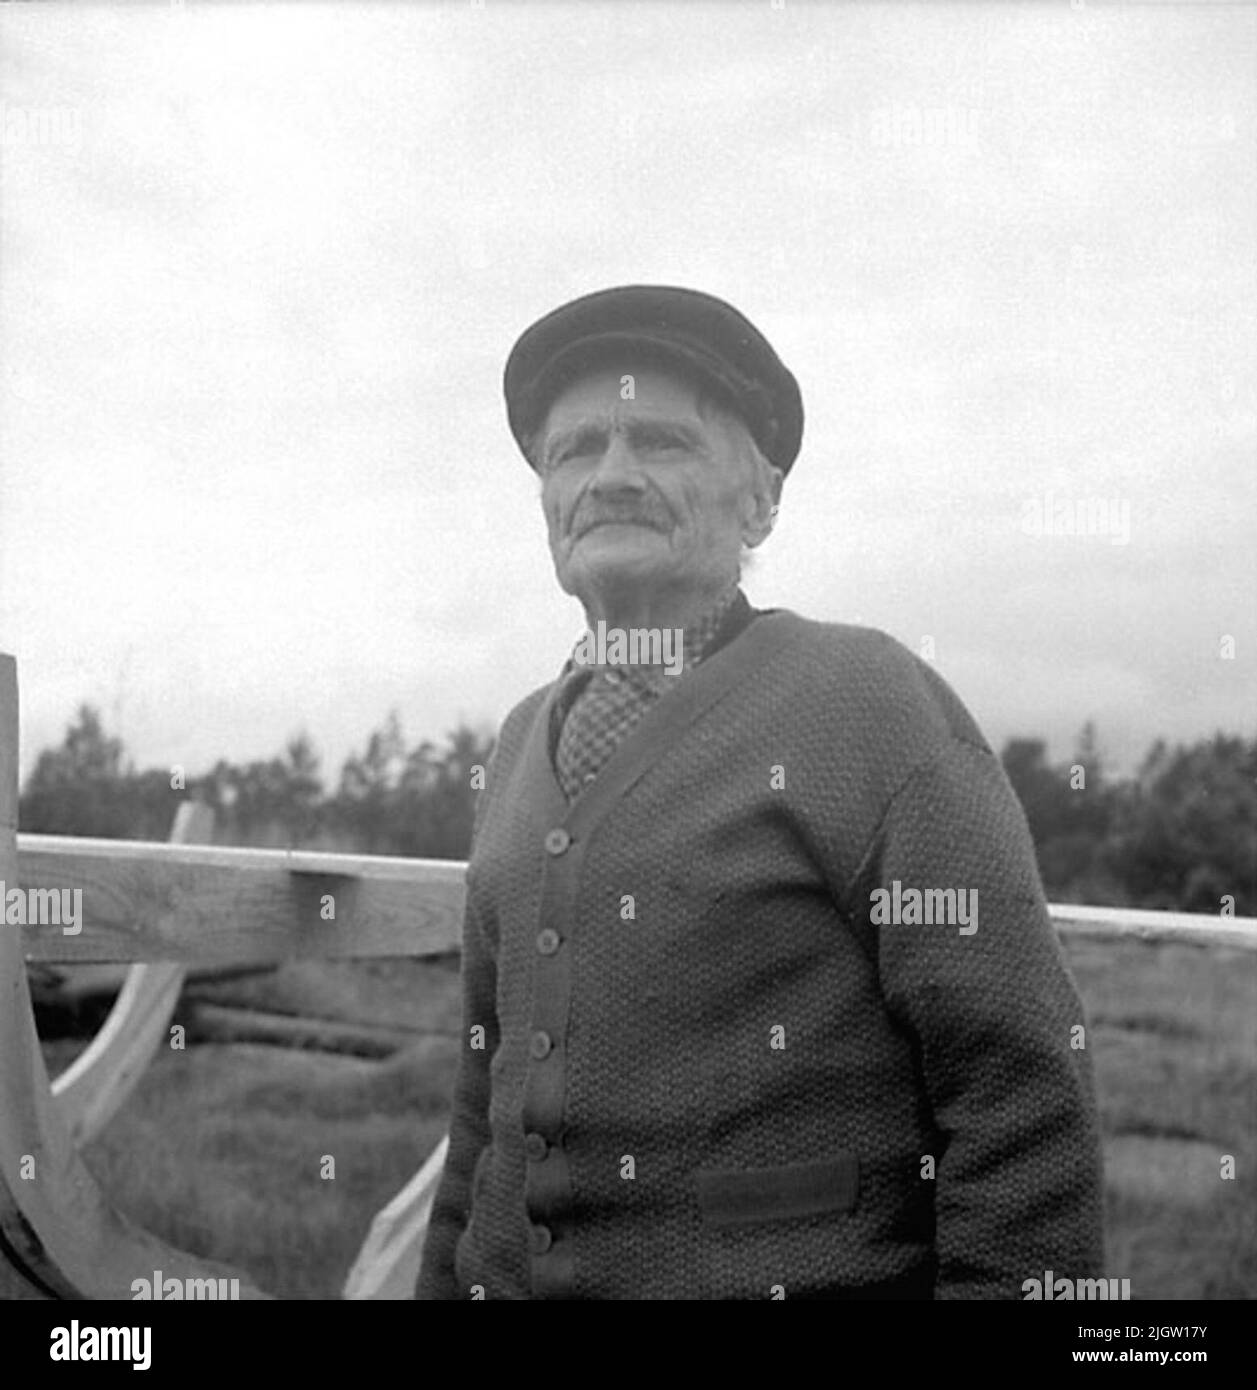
point(638, 609)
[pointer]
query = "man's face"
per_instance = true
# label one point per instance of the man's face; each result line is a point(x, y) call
point(642, 492)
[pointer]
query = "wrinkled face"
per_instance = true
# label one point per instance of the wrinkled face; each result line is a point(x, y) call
point(640, 492)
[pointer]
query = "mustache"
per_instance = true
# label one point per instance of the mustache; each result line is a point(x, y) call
point(587, 523)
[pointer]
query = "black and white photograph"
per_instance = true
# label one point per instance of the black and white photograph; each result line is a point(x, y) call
point(628, 664)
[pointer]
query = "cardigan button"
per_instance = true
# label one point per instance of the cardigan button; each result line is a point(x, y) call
point(557, 840)
point(547, 941)
point(535, 1146)
point(541, 1238)
point(540, 1046)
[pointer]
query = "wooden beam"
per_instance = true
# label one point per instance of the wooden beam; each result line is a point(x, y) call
point(56, 1227)
point(1134, 924)
point(71, 987)
point(145, 901)
point(221, 1023)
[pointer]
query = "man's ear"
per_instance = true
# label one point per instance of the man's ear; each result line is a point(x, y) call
point(763, 506)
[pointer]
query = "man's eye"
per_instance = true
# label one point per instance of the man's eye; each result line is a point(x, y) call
point(579, 449)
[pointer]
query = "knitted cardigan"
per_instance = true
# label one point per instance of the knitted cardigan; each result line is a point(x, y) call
point(697, 1061)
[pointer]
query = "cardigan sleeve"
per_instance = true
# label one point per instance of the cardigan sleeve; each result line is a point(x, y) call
point(1000, 1032)
point(469, 1117)
point(469, 1112)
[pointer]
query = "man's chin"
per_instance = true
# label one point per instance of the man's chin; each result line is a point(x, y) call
point(600, 568)
point(619, 546)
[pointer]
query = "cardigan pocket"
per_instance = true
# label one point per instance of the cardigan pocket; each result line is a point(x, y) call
point(731, 1196)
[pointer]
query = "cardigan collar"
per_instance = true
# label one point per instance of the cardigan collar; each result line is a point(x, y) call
point(701, 638)
point(762, 633)
point(720, 625)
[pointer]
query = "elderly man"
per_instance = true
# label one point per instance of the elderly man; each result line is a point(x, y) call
point(761, 997)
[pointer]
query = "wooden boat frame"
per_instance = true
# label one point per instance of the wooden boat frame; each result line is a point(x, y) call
point(159, 908)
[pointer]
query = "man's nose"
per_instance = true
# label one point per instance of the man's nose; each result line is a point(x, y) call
point(618, 468)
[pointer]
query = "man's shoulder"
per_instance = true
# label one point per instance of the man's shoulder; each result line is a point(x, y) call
point(865, 674)
point(851, 652)
point(525, 710)
point(846, 643)
point(520, 719)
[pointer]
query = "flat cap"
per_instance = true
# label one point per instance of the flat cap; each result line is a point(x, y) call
point(705, 337)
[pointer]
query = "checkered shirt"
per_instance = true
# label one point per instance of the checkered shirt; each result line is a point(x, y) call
point(599, 705)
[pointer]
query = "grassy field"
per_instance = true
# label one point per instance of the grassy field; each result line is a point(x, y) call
point(219, 1149)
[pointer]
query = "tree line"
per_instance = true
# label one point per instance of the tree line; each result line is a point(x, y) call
point(1181, 833)
point(390, 799)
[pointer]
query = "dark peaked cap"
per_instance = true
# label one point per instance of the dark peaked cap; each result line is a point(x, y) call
point(706, 337)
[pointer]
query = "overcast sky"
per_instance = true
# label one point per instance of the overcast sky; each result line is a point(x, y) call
point(260, 269)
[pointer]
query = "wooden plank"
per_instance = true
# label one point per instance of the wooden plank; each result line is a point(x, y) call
point(73, 986)
point(214, 904)
point(144, 901)
point(388, 1263)
point(91, 1091)
point(221, 1023)
point(1133, 924)
point(56, 1227)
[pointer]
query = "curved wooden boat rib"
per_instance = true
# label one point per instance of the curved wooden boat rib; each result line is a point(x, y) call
point(93, 1088)
point(56, 1226)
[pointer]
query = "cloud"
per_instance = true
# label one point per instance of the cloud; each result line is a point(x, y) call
point(252, 433)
